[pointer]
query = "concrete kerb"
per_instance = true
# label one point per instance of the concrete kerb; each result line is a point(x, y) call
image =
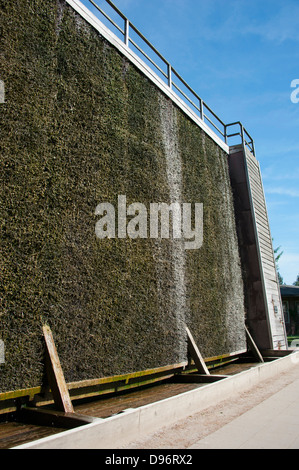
point(133, 424)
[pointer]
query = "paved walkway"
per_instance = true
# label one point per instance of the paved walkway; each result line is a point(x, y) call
point(273, 424)
point(265, 417)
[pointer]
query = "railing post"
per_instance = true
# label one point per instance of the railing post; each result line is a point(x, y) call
point(201, 108)
point(253, 148)
point(169, 72)
point(242, 134)
point(127, 32)
point(225, 133)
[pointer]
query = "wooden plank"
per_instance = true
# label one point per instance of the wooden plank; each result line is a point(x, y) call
point(271, 287)
point(270, 272)
point(195, 354)
point(263, 232)
point(276, 353)
point(258, 198)
point(127, 377)
point(268, 256)
point(267, 260)
point(79, 394)
point(265, 235)
point(253, 347)
point(266, 252)
point(254, 180)
point(254, 175)
point(260, 211)
point(261, 216)
point(55, 374)
point(252, 166)
point(25, 392)
point(254, 172)
point(267, 249)
point(271, 290)
point(118, 382)
point(268, 265)
point(255, 186)
point(225, 356)
point(261, 220)
point(270, 275)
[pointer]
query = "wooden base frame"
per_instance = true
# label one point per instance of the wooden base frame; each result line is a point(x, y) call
point(60, 394)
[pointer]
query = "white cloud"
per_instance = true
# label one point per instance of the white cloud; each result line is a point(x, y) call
point(282, 191)
point(282, 26)
point(275, 173)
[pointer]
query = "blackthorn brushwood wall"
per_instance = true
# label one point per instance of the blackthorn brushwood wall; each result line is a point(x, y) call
point(81, 125)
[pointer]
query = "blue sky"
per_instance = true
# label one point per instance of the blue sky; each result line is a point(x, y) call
point(241, 56)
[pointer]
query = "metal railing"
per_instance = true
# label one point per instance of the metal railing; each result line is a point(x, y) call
point(169, 75)
point(246, 138)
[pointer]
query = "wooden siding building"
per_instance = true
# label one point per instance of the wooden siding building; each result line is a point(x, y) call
point(290, 303)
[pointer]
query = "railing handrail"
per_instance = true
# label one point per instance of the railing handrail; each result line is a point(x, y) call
point(201, 106)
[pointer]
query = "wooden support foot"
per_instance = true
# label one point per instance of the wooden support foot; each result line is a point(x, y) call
point(57, 419)
point(198, 378)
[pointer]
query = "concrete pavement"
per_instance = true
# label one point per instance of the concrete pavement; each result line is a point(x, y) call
point(272, 424)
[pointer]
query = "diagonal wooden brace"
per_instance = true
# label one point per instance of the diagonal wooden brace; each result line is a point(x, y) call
point(253, 347)
point(55, 375)
point(195, 354)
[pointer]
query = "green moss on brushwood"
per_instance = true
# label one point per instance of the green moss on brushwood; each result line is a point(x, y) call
point(80, 126)
point(76, 131)
point(213, 273)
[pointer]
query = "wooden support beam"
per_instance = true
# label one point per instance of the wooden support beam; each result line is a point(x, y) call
point(58, 419)
point(195, 354)
point(55, 374)
point(275, 353)
point(198, 378)
point(253, 347)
